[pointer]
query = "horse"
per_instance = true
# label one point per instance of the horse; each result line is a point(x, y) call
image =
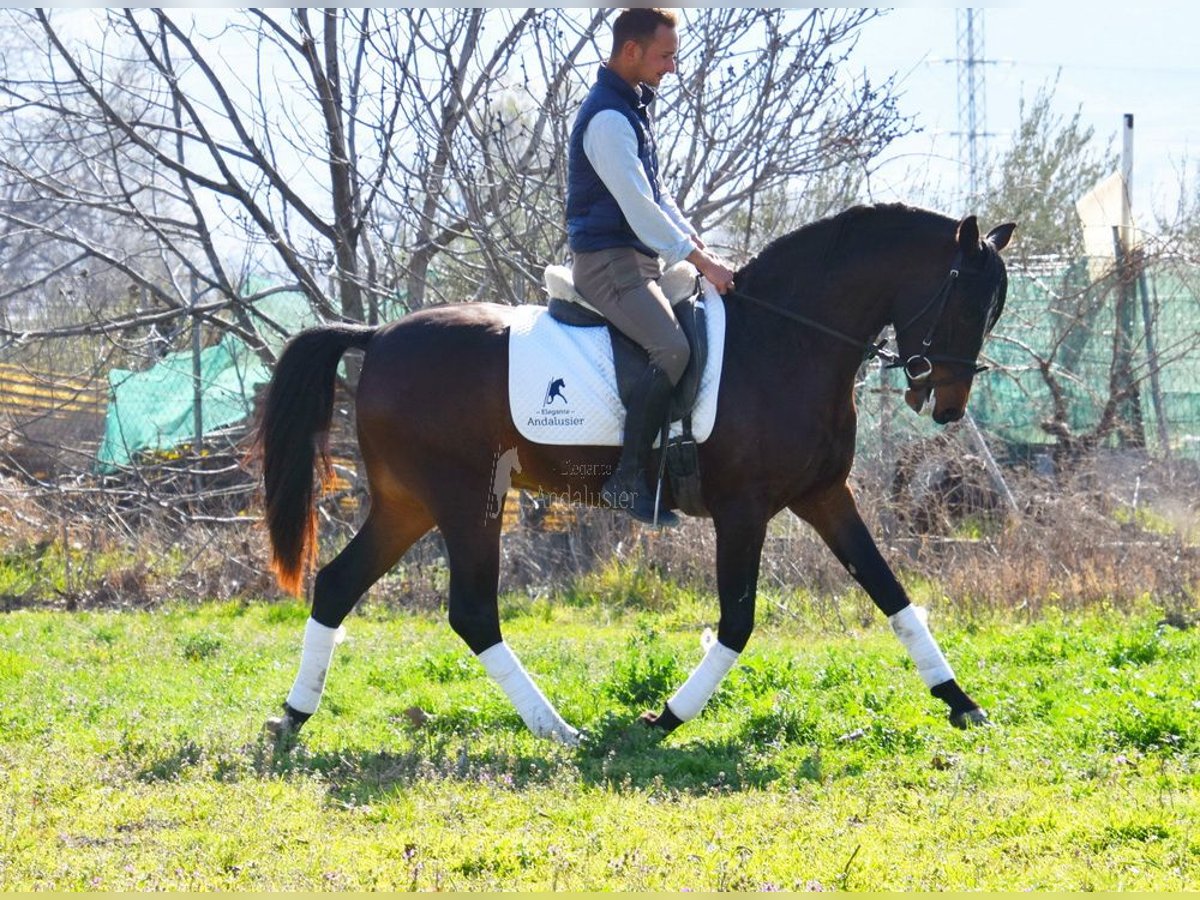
point(432, 414)
point(555, 390)
point(506, 465)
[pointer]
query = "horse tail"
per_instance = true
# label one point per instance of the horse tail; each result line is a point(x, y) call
point(292, 431)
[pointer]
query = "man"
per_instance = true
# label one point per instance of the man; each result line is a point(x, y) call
point(624, 229)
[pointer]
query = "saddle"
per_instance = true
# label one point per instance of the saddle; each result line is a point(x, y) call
point(681, 286)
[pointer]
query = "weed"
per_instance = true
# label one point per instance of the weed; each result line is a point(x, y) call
point(760, 673)
point(785, 722)
point(1116, 835)
point(1138, 648)
point(645, 674)
point(836, 672)
point(1147, 730)
point(635, 583)
point(201, 645)
point(13, 665)
point(286, 612)
point(106, 635)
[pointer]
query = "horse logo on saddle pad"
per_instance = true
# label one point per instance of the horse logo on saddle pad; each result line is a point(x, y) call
point(567, 375)
point(554, 391)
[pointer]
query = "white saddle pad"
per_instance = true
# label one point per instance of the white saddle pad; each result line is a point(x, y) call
point(562, 387)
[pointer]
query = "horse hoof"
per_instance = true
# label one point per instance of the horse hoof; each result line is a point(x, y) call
point(283, 730)
point(568, 738)
point(279, 727)
point(665, 721)
point(969, 718)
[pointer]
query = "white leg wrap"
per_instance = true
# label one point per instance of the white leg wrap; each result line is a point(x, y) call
point(909, 626)
point(319, 641)
point(690, 699)
point(535, 710)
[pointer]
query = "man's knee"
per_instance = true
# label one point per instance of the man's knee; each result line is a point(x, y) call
point(673, 358)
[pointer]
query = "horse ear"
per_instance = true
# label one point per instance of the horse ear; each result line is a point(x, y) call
point(968, 236)
point(999, 236)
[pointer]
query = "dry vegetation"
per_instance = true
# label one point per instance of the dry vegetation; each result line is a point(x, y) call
point(1115, 531)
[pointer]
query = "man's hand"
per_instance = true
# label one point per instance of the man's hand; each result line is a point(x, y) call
point(700, 245)
point(712, 268)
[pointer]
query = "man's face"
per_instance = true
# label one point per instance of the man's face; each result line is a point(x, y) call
point(657, 58)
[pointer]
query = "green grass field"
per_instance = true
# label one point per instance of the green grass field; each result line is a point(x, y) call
point(131, 757)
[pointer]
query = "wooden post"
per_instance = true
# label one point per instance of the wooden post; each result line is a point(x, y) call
point(1132, 432)
point(1156, 397)
point(1136, 281)
point(197, 390)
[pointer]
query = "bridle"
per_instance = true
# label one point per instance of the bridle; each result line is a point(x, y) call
point(918, 368)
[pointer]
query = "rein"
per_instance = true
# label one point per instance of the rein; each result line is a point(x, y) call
point(917, 368)
point(871, 350)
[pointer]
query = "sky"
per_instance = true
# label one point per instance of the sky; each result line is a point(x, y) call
point(1108, 60)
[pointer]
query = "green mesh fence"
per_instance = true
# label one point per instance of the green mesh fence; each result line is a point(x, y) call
point(154, 409)
point(1059, 334)
point(1062, 333)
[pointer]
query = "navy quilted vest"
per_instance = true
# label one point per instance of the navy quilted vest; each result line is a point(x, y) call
point(594, 220)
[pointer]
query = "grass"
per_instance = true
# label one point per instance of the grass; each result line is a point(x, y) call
point(131, 756)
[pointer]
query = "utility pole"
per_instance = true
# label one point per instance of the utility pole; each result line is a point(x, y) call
point(1134, 281)
point(972, 100)
point(972, 130)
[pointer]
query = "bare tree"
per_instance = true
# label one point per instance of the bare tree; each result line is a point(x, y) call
point(1180, 224)
point(355, 151)
point(765, 106)
point(1052, 161)
point(768, 101)
point(480, 168)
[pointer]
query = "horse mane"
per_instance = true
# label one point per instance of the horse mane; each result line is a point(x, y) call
point(820, 244)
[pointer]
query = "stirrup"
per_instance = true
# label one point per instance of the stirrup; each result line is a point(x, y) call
point(636, 503)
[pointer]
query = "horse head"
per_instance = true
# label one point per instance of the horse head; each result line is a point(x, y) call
point(940, 344)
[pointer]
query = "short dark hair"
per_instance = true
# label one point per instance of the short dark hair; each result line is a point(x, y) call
point(639, 24)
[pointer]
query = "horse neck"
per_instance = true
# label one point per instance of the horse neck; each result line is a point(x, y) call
point(854, 302)
point(847, 283)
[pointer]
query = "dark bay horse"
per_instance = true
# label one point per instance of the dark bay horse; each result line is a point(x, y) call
point(433, 418)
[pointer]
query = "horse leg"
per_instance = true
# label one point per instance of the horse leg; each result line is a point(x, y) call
point(740, 535)
point(835, 517)
point(390, 529)
point(474, 554)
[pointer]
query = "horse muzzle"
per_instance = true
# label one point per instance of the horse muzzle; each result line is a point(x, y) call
point(949, 401)
point(949, 392)
point(918, 371)
point(949, 414)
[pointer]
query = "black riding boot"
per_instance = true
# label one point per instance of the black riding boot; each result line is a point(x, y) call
point(627, 487)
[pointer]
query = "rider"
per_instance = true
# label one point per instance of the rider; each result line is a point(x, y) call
point(624, 228)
